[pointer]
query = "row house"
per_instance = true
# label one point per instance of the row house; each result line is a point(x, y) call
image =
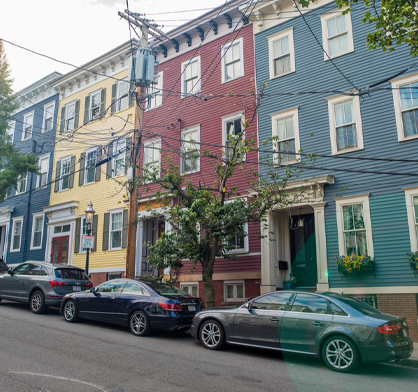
point(32, 131)
point(353, 208)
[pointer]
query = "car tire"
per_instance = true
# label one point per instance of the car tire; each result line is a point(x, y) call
point(212, 335)
point(340, 354)
point(139, 323)
point(37, 302)
point(70, 311)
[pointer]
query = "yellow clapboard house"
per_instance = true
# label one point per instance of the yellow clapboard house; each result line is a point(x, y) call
point(96, 116)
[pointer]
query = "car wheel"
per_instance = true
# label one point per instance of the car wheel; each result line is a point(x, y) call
point(212, 335)
point(37, 302)
point(139, 324)
point(70, 311)
point(340, 354)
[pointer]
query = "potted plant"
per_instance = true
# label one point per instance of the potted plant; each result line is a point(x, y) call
point(413, 261)
point(289, 283)
point(353, 264)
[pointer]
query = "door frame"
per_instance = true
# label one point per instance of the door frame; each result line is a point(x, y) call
point(61, 239)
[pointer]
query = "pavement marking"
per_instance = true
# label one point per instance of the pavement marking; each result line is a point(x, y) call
point(62, 378)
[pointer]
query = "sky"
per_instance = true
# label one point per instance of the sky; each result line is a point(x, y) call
point(77, 31)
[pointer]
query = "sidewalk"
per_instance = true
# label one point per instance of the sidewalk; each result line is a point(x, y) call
point(414, 355)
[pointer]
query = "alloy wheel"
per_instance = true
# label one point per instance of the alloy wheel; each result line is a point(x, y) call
point(69, 311)
point(339, 354)
point(36, 302)
point(138, 323)
point(211, 335)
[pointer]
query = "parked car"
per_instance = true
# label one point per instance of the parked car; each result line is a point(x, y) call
point(341, 330)
point(141, 305)
point(42, 284)
point(3, 267)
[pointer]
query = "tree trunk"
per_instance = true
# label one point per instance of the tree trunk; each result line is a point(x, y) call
point(207, 273)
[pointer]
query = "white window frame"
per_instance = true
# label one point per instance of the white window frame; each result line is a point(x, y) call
point(396, 84)
point(195, 143)
point(156, 101)
point(325, 42)
point(38, 177)
point(226, 119)
point(118, 95)
point(357, 117)
point(26, 185)
point(156, 143)
point(190, 284)
point(240, 43)
point(234, 283)
point(198, 86)
point(348, 201)
point(34, 216)
point(283, 34)
point(14, 220)
point(115, 157)
point(275, 133)
point(94, 149)
point(97, 92)
point(25, 123)
point(49, 108)
point(61, 175)
point(111, 213)
point(410, 193)
point(246, 247)
point(67, 106)
point(11, 126)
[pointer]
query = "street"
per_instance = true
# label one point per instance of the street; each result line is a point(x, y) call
point(44, 353)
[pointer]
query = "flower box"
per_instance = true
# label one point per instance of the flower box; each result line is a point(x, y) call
point(353, 265)
point(413, 261)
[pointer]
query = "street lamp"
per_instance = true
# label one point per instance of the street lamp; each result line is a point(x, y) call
point(89, 221)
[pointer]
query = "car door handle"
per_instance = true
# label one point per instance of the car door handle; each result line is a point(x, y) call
point(274, 319)
point(316, 323)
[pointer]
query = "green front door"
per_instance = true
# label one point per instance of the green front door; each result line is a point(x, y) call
point(303, 253)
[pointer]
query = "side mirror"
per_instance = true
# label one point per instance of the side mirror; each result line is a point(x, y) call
point(92, 290)
point(10, 271)
point(248, 305)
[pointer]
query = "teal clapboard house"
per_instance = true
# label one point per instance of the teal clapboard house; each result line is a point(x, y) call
point(320, 99)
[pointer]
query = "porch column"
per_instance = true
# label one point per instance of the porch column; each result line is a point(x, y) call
point(267, 256)
point(321, 247)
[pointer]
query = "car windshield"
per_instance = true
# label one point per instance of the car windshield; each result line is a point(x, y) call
point(167, 290)
point(360, 306)
point(70, 273)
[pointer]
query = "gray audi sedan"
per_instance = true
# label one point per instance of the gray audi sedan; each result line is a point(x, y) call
point(341, 330)
point(42, 284)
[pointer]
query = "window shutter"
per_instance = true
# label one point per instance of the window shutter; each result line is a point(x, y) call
point(86, 110)
point(98, 171)
point(77, 114)
point(57, 177)
point(77, 235)
point(113, 107)
point(95, 221)
point(128, 156)
point(102, 103)
point(109, 162)
point(81, 172)
point(106, 231)
point(62, 121)
point(125, 229)
point(72, 170)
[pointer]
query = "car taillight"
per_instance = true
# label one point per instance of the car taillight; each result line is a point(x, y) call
point(172, 307)
point(89, 284)
point(54, 283)
point(389, 329)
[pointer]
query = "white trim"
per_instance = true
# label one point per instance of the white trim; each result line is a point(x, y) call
point(26, 185)
point(46, 111)
point(38, 177)
point(240, 43)
point(156, 144)
point(14, 220)
point(113, 212)
point(246, 248)
point(118, 95)
point(159, 88)
point(234, 283)
point(32, 113)
point(232, 117)
point(99, 91)
point(11, 127)
point(357, 117)
point(396, 84)
point(276, 37)
point(325, 41)
point(93, 149)
point(67, 106)
point(197, 85)
point(347, 201)
point(99, 270)
point(34, 216)
point(409, 196)
point(279, 116)
point(376, 290)
point(61, 175)
point(187, 131)
point(190, 284)
point(117, 143)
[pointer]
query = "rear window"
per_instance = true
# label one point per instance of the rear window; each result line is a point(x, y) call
point(69, 273)
point(167, 290)
point(360, 306)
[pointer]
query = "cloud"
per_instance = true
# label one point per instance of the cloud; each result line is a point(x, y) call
point(108, 3)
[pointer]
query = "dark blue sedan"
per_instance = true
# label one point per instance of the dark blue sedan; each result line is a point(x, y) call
point(143, 305)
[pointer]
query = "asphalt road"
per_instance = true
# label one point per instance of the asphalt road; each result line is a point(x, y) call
point(44, 353)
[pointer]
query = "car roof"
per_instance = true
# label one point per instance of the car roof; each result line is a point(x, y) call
point(55, 266)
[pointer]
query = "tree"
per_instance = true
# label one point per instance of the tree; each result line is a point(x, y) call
point(13, 164)
point(396, 22)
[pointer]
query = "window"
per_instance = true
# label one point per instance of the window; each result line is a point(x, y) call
point(70, 113)
point(281, 54)
point(16, 234)
point(21, 185)
point(232, 61)
point(134, 288)
point(37, 231)
point(308, 303)
point(190, 78)
point(42, 178)
point(111, 287)
point(119, 160)
point(156, 91)
point(337, 34)
point(113, 275)
point(90, 169)
point(412, 209)
point(354, 226)
point(276, 301)
point(95, 102)
point(239, 241)
point(190, 157)
point(286, 140)
point(152, 156)
point(48, 117)
point(27, 126)
point(232, 126)
point(234, 291)
point(345, 124)
point(61, 229)
point(23, 269)
point(65, 174)
point(190, 288)
point(123, 91)
point(116, 224)
point(11, 125)
point(83, 233)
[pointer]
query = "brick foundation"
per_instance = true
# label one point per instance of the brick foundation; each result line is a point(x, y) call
point(99, 278)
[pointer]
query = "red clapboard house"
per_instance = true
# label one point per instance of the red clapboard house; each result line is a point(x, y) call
point(198, 48)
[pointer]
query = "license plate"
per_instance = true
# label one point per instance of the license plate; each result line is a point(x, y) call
point(76, 288)
point(192, 308)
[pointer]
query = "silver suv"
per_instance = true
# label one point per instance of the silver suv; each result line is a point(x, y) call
point(42, 284)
